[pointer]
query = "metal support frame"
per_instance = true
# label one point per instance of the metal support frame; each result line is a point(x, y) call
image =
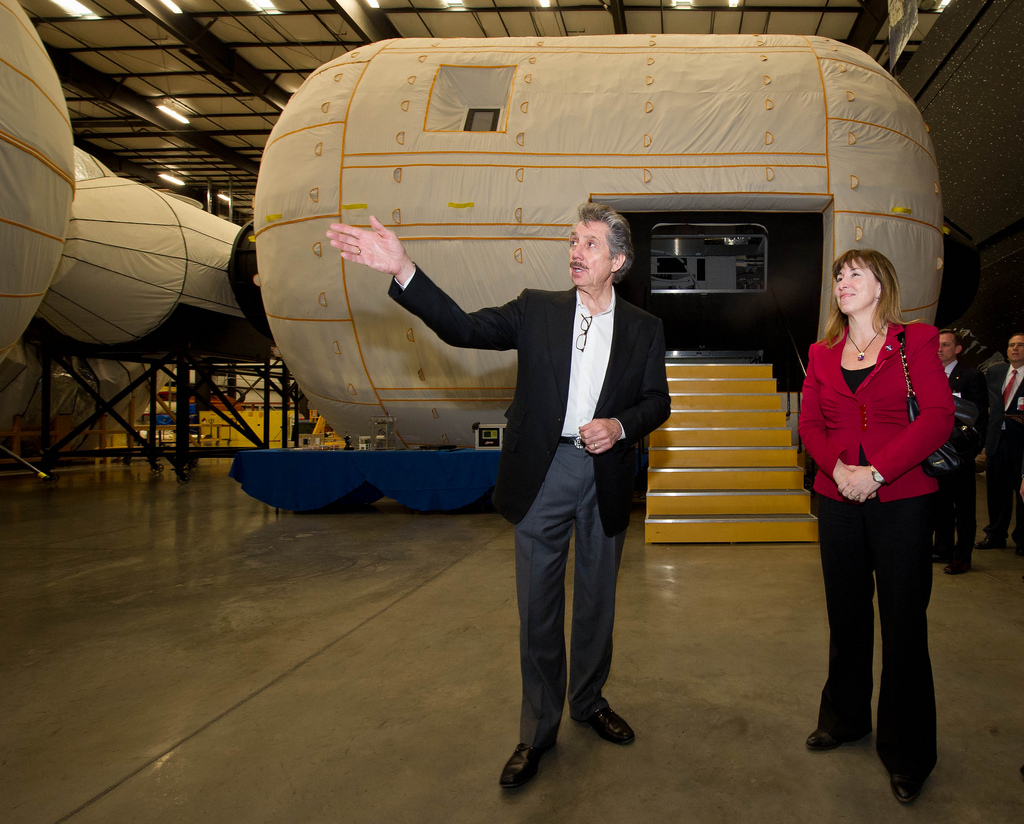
point(179, 365)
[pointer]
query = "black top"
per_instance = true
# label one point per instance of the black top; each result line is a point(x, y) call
point(855, 377)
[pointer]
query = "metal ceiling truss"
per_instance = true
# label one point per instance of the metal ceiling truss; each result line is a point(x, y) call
point(73, 72)
point(220, 60)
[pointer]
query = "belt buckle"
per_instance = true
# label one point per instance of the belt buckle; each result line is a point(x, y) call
point(578, 442)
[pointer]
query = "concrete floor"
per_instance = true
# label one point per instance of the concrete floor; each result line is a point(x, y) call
point(184, 653)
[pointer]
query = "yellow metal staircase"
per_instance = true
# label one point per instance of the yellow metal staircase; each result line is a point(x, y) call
point(722, 468)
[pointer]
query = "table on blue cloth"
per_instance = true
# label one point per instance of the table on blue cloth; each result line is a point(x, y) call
point(421, 479)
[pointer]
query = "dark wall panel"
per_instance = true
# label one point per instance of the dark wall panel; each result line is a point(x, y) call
point(715, 322)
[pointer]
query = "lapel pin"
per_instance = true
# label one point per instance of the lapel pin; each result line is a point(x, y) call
point(888, 347)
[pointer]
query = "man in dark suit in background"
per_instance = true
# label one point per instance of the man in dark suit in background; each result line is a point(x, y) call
point(956, 501)
point(1004, 448)
point(590, 383)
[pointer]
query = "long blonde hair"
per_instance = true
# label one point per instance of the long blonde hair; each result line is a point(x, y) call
point(888, 308)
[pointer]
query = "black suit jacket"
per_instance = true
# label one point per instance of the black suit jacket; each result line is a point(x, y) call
point(970, 385)
point(994, 378)
point(540, 326)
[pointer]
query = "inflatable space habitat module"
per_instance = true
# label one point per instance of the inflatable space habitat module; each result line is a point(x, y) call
point(132, 255)
point(102, 259)
point(37, 171)
point(744, 163)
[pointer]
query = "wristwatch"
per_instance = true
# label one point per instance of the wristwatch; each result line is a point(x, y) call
point(876, 475)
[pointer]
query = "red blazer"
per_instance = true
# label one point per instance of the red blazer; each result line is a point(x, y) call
point(835, 423)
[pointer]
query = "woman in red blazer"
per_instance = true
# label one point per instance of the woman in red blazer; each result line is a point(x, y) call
point(875, 513)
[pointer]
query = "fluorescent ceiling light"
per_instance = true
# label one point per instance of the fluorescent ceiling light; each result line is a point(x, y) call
point(942, 5)
point(173, 114)
point(223, 197)
point(451, 3)
point(170, 179)
point(76, 9)
point(373, 4)
point(264, 6)
point(545, 4)
point(733, 3)
point(170, 4)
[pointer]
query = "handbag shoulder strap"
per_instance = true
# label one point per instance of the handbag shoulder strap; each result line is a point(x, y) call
point(903, 359)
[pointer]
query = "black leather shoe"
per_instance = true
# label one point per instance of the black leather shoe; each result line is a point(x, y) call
point(819, 741)
point(611, 727)
point(905, 789)
point(990, 543)
point(957, 567)
point(522, 766)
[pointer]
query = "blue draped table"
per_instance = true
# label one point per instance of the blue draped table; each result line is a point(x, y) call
point(421, 479)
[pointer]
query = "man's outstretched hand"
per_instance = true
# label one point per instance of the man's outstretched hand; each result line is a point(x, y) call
point(376, 247)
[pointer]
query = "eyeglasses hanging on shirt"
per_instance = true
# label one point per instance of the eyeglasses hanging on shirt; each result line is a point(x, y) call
point(581, 338)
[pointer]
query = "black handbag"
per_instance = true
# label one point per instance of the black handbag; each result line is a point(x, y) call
point(956, 451)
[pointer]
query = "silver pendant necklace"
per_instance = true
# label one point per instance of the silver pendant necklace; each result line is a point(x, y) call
point(860, 352)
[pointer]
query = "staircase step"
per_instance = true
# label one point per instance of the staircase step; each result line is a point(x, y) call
point(725, 502)
point(718, 370)
point(726, 417)
point(726, 477)
point(687, 456)
point(735, 401)
point(757, 528)
point(721, 436)
point(713, 386)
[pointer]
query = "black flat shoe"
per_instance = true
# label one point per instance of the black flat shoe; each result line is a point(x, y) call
point(522, 766)
point(611, 727)
point(905, 789)
point(819, 741)
point(989, 543)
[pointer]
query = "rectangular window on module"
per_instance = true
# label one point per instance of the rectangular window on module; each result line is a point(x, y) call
point(470, 99)
point(482, 120)
point(702, 258)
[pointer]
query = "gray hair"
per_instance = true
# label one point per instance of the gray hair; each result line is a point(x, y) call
point(620, 238)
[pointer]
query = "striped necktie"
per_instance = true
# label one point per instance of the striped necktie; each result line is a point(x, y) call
point(1008, 391)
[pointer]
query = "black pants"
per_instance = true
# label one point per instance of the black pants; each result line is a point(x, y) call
point(888, 544)
point(955, 511)
point(1002, 476)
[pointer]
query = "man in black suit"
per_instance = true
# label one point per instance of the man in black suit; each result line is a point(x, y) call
point(1004, 448)
point(591, 382)
point(956, 501)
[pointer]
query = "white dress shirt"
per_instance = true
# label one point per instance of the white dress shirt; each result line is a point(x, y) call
point(588, 367)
